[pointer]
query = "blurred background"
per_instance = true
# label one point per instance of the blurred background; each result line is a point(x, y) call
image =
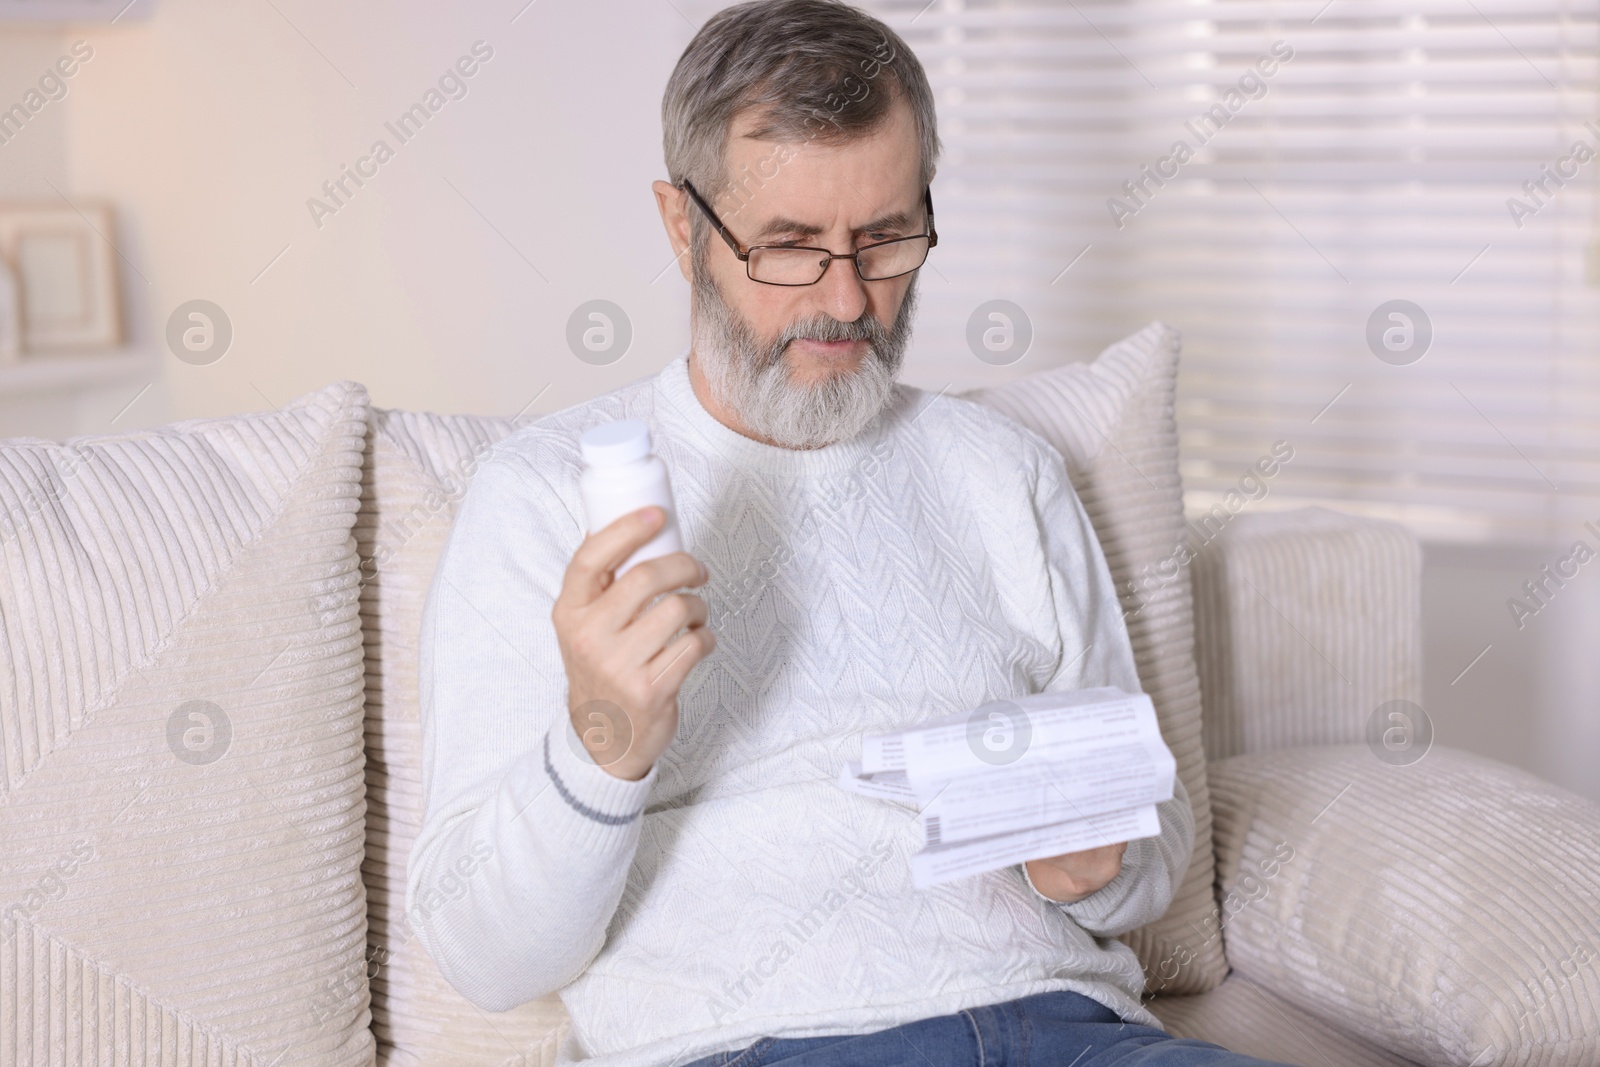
point(1374, 223)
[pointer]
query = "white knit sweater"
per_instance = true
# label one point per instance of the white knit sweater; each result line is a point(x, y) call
point(936, 562)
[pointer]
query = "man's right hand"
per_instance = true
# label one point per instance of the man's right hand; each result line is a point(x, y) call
point(624, 668)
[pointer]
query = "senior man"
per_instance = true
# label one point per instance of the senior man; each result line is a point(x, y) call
point(641, 779)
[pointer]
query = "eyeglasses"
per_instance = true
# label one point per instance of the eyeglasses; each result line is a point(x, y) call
point(797, 265)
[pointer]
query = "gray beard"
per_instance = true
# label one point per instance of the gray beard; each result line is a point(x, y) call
point(752, 379)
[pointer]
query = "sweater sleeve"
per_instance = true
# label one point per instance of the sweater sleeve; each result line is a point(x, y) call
point(1096, 651)
point(525, 842)
point(1151, 870)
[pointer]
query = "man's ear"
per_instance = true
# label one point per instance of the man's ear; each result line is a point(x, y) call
point(673, 203)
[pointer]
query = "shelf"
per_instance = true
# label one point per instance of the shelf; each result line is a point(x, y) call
point(65, 371)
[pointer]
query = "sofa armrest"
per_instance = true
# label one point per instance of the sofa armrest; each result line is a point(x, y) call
point(1448, 909)
point(1306, 622)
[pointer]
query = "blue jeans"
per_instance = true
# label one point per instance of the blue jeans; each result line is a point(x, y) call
point(1059, 1029)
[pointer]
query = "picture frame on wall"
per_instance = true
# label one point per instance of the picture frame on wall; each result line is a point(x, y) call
point(66, 274)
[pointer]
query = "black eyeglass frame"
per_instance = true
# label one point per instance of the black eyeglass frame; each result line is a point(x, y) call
point(744, 254)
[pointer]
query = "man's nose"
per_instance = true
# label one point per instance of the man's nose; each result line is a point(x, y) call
point(843, 293)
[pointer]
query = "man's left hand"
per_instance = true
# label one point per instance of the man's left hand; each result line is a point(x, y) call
point(1074, 875)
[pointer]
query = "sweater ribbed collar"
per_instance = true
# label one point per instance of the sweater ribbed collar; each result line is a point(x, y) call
point(681, 405)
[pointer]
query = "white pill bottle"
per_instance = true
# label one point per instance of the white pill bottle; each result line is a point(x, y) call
point(620, 475)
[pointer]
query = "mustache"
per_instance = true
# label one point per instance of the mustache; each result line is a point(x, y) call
point(824, 327)
point(827, 328)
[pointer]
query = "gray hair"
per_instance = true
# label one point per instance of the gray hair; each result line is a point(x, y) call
point(814, 70)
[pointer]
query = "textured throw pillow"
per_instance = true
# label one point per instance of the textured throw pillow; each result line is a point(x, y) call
point(1112, 420)
point(181, 797)
point(1447, 909)
point(417, 470)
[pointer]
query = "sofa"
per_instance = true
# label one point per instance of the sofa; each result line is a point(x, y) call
point(210, 762)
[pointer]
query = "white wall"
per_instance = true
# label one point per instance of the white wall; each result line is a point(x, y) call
point(1533, 699)
point(39, 152)
point(212, 125)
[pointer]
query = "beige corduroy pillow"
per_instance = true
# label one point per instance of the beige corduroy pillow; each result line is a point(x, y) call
point(1447, 909)
point(1112, 419)
point(417, 470)
point(181, 797)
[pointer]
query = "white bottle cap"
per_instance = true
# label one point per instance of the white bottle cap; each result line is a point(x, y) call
point(622, 441)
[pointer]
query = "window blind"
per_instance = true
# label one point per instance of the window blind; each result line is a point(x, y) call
point(1268, 178)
